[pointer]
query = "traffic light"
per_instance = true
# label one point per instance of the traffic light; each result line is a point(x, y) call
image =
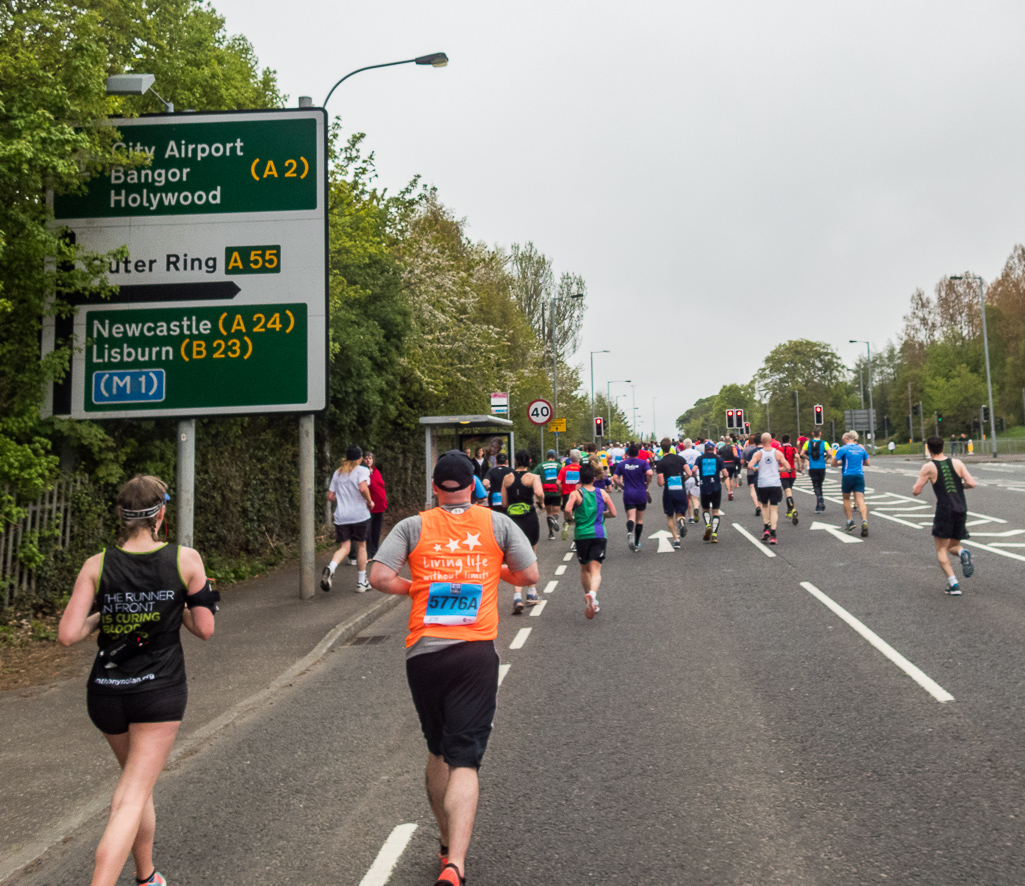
point(730, 419)
point(819, 418)
point(739, 419)
point(599, 426)
point(1000, 423)
point(985, 413)
point(939, 417)
point(908, 420)
point(914, 409)
point(747, 427)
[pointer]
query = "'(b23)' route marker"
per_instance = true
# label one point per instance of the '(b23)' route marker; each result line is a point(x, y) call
point(222, 305)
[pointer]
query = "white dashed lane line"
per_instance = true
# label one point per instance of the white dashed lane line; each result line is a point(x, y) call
point(561, 570)
point(551, 586)
point(520, 638)
point(538, 608)
point(922, 679)
point(389, 855)
point(503, 670)
point(761, 547)
point(568, 557)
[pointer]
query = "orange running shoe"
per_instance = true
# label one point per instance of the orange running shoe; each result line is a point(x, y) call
point(450, 876)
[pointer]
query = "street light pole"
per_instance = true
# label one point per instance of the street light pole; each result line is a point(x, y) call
point(594, 438)
point(871, 401)
point(654, 427)
point(985, 347)
point(435, 60)
point(634, 389)
point(555, 361)
point(608, 395)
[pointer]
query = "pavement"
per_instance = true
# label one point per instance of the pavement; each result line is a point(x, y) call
point(818, 713)
point(57, 770)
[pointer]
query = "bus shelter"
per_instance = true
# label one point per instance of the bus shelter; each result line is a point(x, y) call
point(444, 432)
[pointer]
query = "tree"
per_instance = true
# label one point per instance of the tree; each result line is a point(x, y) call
point(812, 369)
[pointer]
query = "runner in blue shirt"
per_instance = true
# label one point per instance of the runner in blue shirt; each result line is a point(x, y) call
point(817, 450)
point(852, 458)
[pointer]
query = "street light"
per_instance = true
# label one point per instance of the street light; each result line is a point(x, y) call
point(555, 358)
point(594, 439)
point(985, 347)
point(435, 60)
point(871, 402)
point(608, 395)
point(136, 84)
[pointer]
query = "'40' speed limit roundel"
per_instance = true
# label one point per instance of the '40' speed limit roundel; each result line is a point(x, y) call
point(540, 412)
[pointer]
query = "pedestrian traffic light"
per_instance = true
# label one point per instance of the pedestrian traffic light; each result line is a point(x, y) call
point(739, 419)
point(599, 426)
point(730, 419)
point(819, 418)
point(747, 427)
point(985, 413)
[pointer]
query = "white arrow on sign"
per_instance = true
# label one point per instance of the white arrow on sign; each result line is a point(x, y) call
point(665, 541)
point(838, 533)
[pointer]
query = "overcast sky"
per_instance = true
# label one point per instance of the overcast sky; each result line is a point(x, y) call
point(725, 176)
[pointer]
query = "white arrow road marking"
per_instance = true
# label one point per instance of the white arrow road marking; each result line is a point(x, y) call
point(665, 541)
point(896, 519)
point(995, 550)
point(926, 682)
point(761, 547)
point(836, 533)
point(386, 859)
point(1007, 534)
point(520, 638)
point(551, 586)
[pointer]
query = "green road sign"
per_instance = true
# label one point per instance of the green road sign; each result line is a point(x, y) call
point(222, 301)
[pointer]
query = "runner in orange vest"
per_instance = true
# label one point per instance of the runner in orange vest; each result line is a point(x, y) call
point(456, 555)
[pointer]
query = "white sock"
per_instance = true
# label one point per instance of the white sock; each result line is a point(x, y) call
point(951, 581)
point(532, 591)
point(517, 595)
point(361, 577)
point(332, 566)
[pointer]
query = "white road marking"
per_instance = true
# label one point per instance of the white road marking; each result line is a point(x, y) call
point(1008, 534)
point(916, 674)
point(560, 570)
point(763, 548)
point(503, 670)
point(538, 608)
point(520, 638)
point(551, 586)
point(896, 519)
point(994, 550)
point(665, 541)
point(389, 855)
point(835, 532)
point(568, 557)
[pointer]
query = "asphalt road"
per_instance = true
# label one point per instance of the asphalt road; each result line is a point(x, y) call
point(727, 718)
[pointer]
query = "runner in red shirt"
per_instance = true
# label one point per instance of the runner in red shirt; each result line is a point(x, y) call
point(793, 457)
point(568, 481)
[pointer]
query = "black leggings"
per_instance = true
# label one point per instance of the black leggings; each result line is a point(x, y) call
point(817, 476)
point(374, 534)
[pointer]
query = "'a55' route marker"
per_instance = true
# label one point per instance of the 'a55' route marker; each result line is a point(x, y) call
point(222, 307)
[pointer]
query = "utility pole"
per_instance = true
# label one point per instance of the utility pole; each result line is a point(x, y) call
point(911, 417)
point(921, 418)
point(797, 406)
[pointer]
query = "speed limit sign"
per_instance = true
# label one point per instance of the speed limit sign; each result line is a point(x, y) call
point(540, 412)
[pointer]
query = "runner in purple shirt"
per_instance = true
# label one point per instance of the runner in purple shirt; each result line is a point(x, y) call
point(633, 475)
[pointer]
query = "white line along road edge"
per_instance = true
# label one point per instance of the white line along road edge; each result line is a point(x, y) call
point(753, 540)
point(389, 855)
point(922, 679)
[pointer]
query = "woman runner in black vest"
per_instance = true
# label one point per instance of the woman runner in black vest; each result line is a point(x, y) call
point(520, 489)
point(138, 595)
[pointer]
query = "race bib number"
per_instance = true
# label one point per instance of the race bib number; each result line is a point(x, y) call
point(675, 483)
point(707, 467)
point(572, 477)
point(496, 499)
point(452, 603)
point(551, 474)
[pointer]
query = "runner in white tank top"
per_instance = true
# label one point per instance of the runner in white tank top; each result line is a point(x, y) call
point(768, 462)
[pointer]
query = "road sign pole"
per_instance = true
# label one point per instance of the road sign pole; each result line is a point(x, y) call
point(307, 507)
point(186, 491)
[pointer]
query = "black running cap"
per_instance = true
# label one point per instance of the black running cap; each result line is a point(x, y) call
point(353, 453)
point(453, 471)
point(709, 444)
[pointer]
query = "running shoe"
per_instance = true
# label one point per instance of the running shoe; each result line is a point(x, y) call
point(442, 855)
point(450, 876)
point(637, 547)
point(708, 532)
point(967, 567)
point(630, 542)
point(517, 606)
point(758, 512)
point(793, 516)
point(590, 604)
point(864, 529)
point(325, 579)
point(790, 513)
point(352, 561)
point(954, 591)
point(676, 543)
point(766, 535)
point(533, 599)
point(715, 538)
point(850, 525)
point(362, 587)
point(729, 495)
point(565, 531)
point(772, 539)
point(154, 879)
point(681, 524)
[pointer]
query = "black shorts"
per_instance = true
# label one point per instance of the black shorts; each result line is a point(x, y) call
point(590, 550)
point(752, 478)
point(731, 468)
point(351, 532)
point(770, 495)
point(455, 692)
point(635, 505)
point(947, 524)
point(552, 499)
point(674, 501)
point(112, 713)
point(530, 525)
point(711, 500)
point(787, 482)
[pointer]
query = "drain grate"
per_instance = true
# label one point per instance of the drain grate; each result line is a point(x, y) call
point(372, 640)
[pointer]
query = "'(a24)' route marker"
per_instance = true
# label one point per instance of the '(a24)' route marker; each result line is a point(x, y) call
point(222, 301)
